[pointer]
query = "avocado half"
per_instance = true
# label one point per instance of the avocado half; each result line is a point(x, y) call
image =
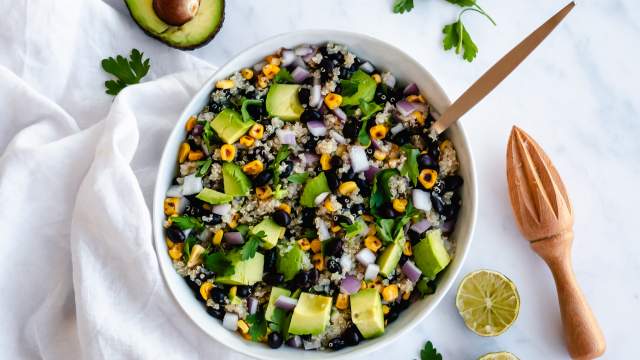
point(192, 34)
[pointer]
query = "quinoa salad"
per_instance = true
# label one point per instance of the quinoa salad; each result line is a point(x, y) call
point(311, 204)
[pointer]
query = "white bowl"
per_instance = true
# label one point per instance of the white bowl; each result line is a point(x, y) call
point(383, 56)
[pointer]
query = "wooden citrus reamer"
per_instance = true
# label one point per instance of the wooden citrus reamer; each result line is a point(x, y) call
point(544, 215)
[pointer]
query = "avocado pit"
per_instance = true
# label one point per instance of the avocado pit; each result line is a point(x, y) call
point(176, 12)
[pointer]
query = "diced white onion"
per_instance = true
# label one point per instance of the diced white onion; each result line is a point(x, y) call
point(320, 198)
point(397, 128)
point(316, 96)
point(337, 137)
point(230, 321)
point(174, 191)
point(389, 80)
point(371, 272)
point(366, 257)
point(191, 185)
point(367, 67)
point(323, 230)
point(287, 57)
point(222, 209)
point(421, 200)
point(359, 161)
point(286, 136)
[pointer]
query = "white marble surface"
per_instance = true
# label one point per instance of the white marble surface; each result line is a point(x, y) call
point(577, 95)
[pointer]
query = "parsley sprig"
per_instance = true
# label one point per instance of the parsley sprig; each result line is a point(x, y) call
point(127, 72)
point(429, 352)
point(250, 247)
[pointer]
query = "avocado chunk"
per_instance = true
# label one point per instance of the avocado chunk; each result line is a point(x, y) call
point(247, 272)
point(290, 263)
point(274, 314)
point(214, 197)
point(391, 256)
point(311, 315)
point(230, 126)
point(430, 254)
point(366, 88)
point(312, 189)
point(236, 183)
point(283, 102)
point(273, 231)
point(194, 33)
point(366, 312)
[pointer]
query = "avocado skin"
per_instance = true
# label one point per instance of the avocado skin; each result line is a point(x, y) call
point(192, 47)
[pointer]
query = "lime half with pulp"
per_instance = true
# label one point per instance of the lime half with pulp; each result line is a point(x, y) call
point(488, 302)
point(503, 355)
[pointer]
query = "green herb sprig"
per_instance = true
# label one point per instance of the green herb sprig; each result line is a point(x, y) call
point(127, 72)
point(429, 352)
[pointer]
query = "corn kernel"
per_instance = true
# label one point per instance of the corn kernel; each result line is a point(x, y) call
point(233, 291)
point(205, 289)
point(171, 206)
point(270, 70)
point(372, 230)
point(217, 237)
point(394, 152)
point(195, 155)
point(363, 285)
point(378, 132)
point(247, 336)
point(445, 144)
point(419, 117)
point(367, 218)
point(385, 309)
point(318, 261)
point(372, 243)
point(390, 293)
point(257, 131)
point(234, 221)
point(273, 60)
point(263, 81)
point(227, 152)
point(347, 187)
point(341, 149)
point(183, 152)
point(224, 84)
point(333, 100)
point(316, 246)
point(247, 141)
point(285, 207)
point(264, 192)
point(335, 228)
point(406, 295)
point(399, 205)
point(247, 73)
point(377, 78)
point(253, 168)
point(328, 204)
point(243, 327)
point(407, 249)
point(176, 251)
point(190, 123)
point(342, 302)
point(415, 98)
point(304, 244)
point(379, 155)
point(325, 161)
point(170, 243)
point(428, 178)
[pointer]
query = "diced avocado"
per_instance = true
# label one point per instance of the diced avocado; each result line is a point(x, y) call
point(430, 254)
point(283, 102)
point(189, 33)
point(391, 256)
point(311, 315)
point(366, 89)
point(234, 298)
point(290, 263)
point(214, 197)
point(366, 312)
point(313, 188)
point(274, 314)
point(246, 272)
point(236, 183)
point(230, 126)
point(273, 231)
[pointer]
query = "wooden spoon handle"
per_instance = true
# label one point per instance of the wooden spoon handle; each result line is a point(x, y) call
point(582, 334)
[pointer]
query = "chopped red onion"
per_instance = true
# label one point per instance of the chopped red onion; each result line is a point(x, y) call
point(222, 209)
point(389, 80)
point(366, 257)
point(310, 55)
point(303, 50)
point(317, 128)
point(300, 74)
point(421, 200)
point(359, 161)
point(233, 238)
point(252, 305)
point(371, 173)
point(371, 272)
point(323, 230)
point(407, 108)
point(411, 89)
point(230, 321)
point(448, 226)
point(367, 67)
point(311, 344)
point(337, 137)
point(286, 136)
point(411, 270)
point(320, 198)
point(258, 67)
point(299, 62)
point(310, 158)
point(197, 130)
point(350, 284)
point(316, 96)
point(191, 185)
point(287, 57)
point(397, 128)
point(286, 303)
point(295, 342)
point(340, 114)
point(174, 191)
point(421, 226)
point(377, 144)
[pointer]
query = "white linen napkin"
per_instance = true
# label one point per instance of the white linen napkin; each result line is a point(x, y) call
point(80, 277)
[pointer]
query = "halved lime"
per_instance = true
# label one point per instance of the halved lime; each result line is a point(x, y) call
point(503, 355)
point(488, 302)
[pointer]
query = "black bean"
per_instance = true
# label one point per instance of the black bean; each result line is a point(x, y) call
point(452, 182)
point(351, 128)
point(310, 145)
point(392, 315)
point(281, 218)
point(193, 286)
point(274, 340)
point(348, 176)
point(332, 180)
point(243, 291)
point(303, 95)
point(273, 278)
point(175, 234)
point(287, 170)
point(381, 96)
point(212, 219)
point(308, 217)
point(333, 247)
point(216, 313)
point(426, 162)
point(341, 219)
point(310, 115)
point(262, 179)
point(438, 188)
point(270, 257)
point(336, 162)
point(401, 138)
point(333, 265)
point(352, 335)
point(326, 69)
point(386, 211)
point(217, 295)
point(344, 200)
point(314, 276)
point(336, 344)
point(403, 259)
point(357, 209)
point(438, 203)
point(365, 190)
point(256, 111)
point(414, 237)
point(301, 280)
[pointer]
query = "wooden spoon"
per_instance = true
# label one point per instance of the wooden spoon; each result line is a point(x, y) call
point(544, 215)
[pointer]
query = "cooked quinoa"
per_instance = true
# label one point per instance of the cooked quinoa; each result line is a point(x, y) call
point(311, 183)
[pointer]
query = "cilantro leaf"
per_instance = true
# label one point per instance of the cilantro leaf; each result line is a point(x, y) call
point(462, 3)
point(353, 230)
point(207, 134)
point(410, 166)
point(401, 6)
point(368, 110)
point(244, 108)
point(298, 178)
point(429, 352)
point(349, 87)
point(250, 247)
point(127, 72)
point(384, 229)
point(380, 192)
point(204, 167)
point(456, 36)
point(219, 264)
point(279, 192)
point(257, 325)
point(186, 222)
point(282, 154)
point(188, 244)
point(283, 77)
